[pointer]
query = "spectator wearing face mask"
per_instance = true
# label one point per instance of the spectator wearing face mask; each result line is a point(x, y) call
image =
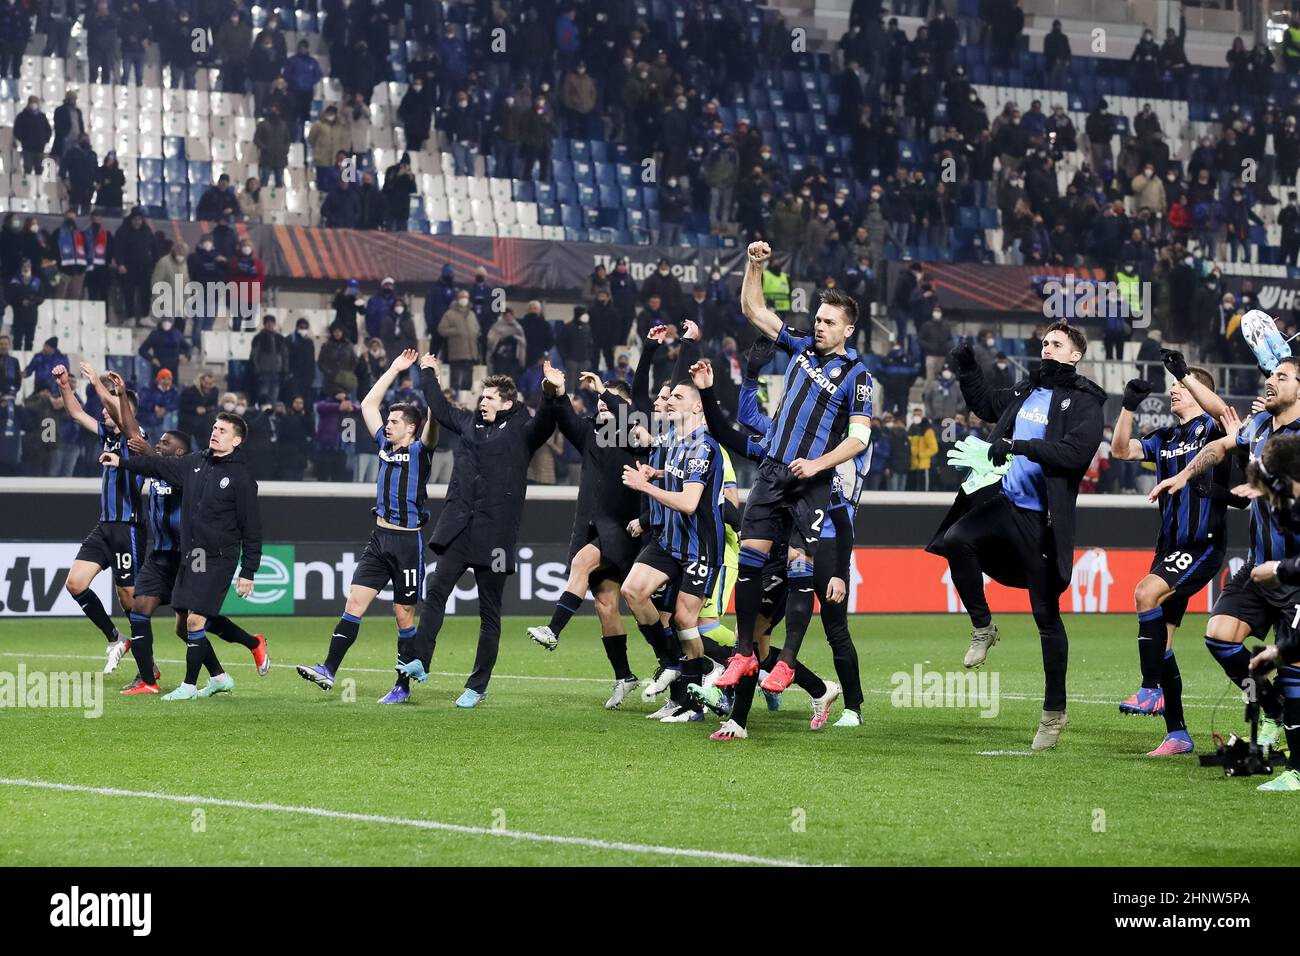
point(416, 115)
point(942, 398)
point(207, 267)
point(172, 273)
point(674, 205)
point(338, 362)
point(249, 277)
point(378, 308)
point(399, 332)
point(924, 446)
point(372, 364)
point(31, 130)
point(935, 336)
point(269, 357)
point(293, 429)
point(575, 343)
point(327, 138)
point(459, 331)
point(164, 346)
point(302, 360)
point(160, 403)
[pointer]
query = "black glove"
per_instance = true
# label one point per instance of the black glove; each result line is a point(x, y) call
point(1135, 391)
point(1175, 363)
point(1000, 451)
point(962, 357)
point(760, 353)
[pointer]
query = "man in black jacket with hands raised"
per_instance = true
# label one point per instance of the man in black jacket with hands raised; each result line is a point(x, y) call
point(1021, 532)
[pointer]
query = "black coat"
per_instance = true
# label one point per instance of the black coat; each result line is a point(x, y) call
point(603, 499)
point(485, 497)
point(1074, 426)
point(219, 512)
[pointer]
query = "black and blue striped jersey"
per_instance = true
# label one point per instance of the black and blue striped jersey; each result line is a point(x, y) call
point(163, 515)
point(660, 444)
point(1268, 540)
point(821, 393)
point(119, 493)
point(400, 490)
point(698, 537)
point(1188, 517)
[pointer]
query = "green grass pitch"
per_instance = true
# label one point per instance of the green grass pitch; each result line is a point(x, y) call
point(540, 773)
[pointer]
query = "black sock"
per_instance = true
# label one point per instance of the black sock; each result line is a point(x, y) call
point(743, 699)
point(798, 608)
point(616, 651)
point(93, 608)
point(1171, 682)
point(345, 635)
point(406, 652)
point(142, 645)
point(654, 636)
point(565, 608)
point(1288, 678)
point(692, 673)
point(196, 650)
point(749, 596)
point(808, 681)
point(1152, 638)
point(1235, 661)
point(229, 631)
point(210, 662)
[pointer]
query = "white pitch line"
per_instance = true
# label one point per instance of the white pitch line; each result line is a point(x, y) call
point(538, 677)
point(524, 835)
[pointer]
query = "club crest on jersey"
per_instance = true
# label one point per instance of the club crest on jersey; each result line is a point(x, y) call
point(1065, 404)
point(225, 483)
point(835, 372)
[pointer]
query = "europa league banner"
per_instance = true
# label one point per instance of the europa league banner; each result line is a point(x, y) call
point(975, 287)
point(298, 253)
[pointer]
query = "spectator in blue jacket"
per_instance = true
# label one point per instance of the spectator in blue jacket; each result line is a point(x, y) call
point(302, 72)
point(453, 66)
point(163, 347)
point(378, 308)
point(436, 304)
point(160, 403)
point(43, 363)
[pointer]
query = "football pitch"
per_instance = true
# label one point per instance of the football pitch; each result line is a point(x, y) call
point(280, 773)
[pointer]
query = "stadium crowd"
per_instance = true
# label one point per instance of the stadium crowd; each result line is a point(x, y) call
point(596, 70)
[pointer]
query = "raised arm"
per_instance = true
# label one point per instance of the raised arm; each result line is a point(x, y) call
point(1074, 450)
point(71, 404)
point(1122, 443)
point(987, 403)
point(724, 432)
point(641, 377)
point(371, 405)
point(752, 303)
point(458, 420)
point(170, 470)
point(1204, 395)
point(540, 427)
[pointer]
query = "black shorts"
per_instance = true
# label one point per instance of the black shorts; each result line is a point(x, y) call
point(202, 585)
point(158, 575)
point(117, 545)
point(618, 549)
point(684, 577)
point(395, 557)
point(1186, 570)
point(1260, 607)
point(780, 504)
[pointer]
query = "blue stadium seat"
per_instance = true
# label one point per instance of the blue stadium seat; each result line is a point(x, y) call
point(559, 149)
point(150, 192)
point(611, 218)
point(174, 171)
point(968, 217)
point(548, 216)
point(606, 175)
point(590, 217)
point(561, 170)
point(579, 151)
point(575, 235)
point(544, 193)
point(586, 195)
point(566, 192)
point(149, 169)
point(178, 200)
point(636, 219)
point(624, 237)
point(200, 171)
point(649, 197)
point(196, 193)
point(626, 174)
point(631, 196)
point(571, 217)
point(599, 151)
point(173, 147)
point(609, 197)
point(988, 218)
point(584, 172)
point(521, 190)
